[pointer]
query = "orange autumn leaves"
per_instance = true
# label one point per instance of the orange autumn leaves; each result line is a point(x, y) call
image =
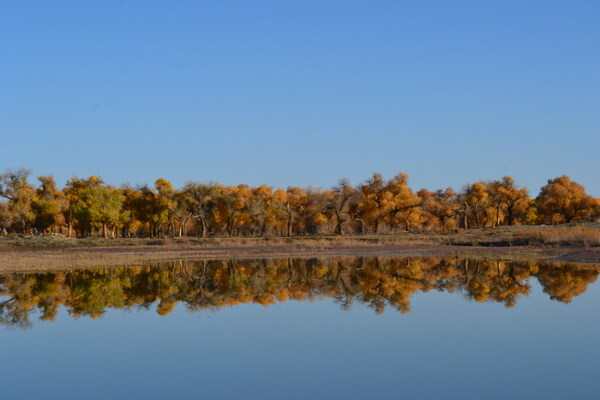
point(89, 206)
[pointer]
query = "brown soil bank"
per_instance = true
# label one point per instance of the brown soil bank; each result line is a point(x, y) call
point(576, 243)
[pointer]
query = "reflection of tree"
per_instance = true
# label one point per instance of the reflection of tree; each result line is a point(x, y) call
point(210, 285)
point(564, 283)
point(13, 315)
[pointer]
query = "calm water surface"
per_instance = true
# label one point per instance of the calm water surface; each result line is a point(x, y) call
point(351, 328)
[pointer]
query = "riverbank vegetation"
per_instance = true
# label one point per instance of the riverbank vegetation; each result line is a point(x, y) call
point(90, 207)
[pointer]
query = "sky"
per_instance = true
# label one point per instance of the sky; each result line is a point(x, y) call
point(299, 93)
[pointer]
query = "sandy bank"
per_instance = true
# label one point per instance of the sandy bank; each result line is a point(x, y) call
point(41, 259)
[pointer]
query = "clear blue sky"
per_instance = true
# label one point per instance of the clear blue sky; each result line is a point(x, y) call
point(302, 92)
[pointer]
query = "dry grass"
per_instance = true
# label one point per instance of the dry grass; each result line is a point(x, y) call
point(571, 236)
point(583, 235)
point(33, 243)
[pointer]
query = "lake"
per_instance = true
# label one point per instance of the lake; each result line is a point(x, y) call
point(337, 328)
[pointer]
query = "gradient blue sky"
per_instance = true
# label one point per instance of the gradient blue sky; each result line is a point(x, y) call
point(302, 92)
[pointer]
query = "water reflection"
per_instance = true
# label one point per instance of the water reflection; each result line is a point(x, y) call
point(379, 282)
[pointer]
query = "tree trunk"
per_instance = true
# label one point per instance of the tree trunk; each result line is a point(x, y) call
point(184, 227)
point(338, 224)
point(203, 230)
point(510, 216)
point(290, 225)
point(498, 215)
point(263, 228)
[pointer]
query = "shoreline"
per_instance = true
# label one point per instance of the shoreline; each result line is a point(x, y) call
point(43, 258)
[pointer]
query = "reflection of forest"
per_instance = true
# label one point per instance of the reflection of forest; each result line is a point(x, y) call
point(377, 282)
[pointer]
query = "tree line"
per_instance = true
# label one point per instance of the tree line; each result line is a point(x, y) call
point(211, 285)
point(89, 206)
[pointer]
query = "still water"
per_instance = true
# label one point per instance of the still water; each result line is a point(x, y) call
point(351, 328)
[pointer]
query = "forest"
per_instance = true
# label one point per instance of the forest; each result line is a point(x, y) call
point(378, 282)
point(89, 206)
